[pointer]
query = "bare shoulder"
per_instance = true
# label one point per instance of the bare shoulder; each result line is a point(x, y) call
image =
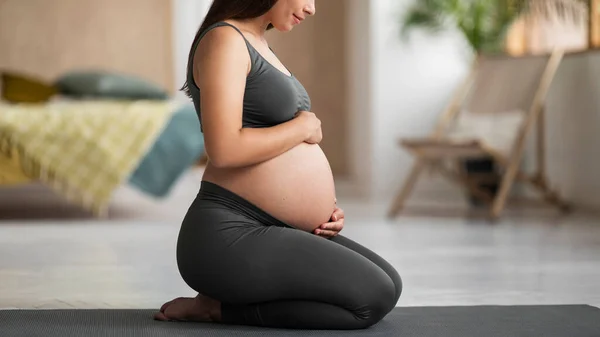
point(221, 47)
point(221, 66)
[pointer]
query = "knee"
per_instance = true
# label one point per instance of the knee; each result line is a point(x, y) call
point(397, 285)
point(378, 301)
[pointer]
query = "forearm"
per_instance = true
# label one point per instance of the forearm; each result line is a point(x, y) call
point(255, 145)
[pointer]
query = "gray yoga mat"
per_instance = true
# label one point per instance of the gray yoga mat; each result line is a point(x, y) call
point(475, 321)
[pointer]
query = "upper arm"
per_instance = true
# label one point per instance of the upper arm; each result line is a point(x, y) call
point(221, 65)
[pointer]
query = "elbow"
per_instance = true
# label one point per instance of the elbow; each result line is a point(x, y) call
point(226, 154)
point(222, 160)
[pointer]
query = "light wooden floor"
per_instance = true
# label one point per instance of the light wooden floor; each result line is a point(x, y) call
point(53, 256)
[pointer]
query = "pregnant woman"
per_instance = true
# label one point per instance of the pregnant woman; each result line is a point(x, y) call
point(260, 242)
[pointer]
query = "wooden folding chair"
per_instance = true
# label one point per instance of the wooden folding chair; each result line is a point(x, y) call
point(490, 116)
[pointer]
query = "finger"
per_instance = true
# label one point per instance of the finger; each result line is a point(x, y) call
point(334, 215)
point(338, 214)
point(326, 233)
point(329, 225)
point(333, 226)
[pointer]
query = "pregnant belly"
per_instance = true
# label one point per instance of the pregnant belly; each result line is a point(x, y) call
point(296, 187)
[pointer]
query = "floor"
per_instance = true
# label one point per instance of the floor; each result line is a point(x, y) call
point(55, 256)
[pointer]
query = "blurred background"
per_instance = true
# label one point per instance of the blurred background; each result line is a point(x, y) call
point(381, 74)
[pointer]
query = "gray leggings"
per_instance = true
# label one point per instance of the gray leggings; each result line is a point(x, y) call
point(268, 274)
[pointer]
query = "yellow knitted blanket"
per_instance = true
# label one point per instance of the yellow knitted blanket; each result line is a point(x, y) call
point(82, 149)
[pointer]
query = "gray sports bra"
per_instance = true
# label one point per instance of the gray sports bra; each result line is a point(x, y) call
point(271, 97)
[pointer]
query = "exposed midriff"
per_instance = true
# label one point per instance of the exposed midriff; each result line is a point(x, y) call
point(296, 187)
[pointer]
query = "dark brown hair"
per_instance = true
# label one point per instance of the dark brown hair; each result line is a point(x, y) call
point(221, 10)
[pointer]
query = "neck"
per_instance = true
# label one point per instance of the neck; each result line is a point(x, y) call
point(257, 26)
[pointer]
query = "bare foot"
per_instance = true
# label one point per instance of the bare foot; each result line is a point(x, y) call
point(198, 309)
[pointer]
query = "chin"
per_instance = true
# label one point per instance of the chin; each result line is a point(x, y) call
point(284, 28)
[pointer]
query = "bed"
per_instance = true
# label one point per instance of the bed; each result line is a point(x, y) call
point(86, 149)
point(103, 112)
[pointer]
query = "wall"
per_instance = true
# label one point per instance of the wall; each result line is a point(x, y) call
point(573, 109)
point(316, 53)
point(48, 38)
point(412, 82)
point(359, 71)
point(187, 17)
point(595, 23)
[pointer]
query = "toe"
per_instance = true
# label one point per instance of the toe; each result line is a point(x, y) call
point(159, 316)
point(166, 305)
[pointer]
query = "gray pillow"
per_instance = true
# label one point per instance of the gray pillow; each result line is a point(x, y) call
point(108, 85)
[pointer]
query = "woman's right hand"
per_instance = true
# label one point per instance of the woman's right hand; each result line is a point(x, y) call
point(313, 126)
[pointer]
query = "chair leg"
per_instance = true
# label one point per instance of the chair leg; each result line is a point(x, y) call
point(409, 184)
point(505, 186)
point(552, 197)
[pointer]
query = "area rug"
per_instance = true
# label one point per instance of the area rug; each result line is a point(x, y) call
point(471, 321)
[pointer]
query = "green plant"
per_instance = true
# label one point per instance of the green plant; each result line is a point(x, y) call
point(484, 23)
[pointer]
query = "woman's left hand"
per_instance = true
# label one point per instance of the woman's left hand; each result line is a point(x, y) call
point(332, 228)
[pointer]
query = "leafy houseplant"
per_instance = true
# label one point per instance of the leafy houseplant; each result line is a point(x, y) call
point(484, 24)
